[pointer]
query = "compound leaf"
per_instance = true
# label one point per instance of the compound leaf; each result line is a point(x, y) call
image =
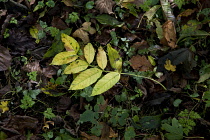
point(76, 66)
point(89, 53)
point(64, 58)
point(105, 83)
point(114, 58)
point(101, 58)
point(70, 43)
point(86, 78)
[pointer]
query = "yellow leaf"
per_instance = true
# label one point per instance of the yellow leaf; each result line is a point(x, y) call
point(89, 53)
point(105, 83)
point(101, 58)
point(114, 58)
point(75, 67)
point(70, 43)
point(151, 60)
point(169, 66)
point(34, 33)
point(64, 58)
point(86, 78)
point(4, 106)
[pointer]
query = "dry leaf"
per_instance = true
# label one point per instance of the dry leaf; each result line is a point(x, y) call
point(68, 2)
point(88, 28)
point(186, 13)
point(105, 6)
point(80, 33)
point(169, 34)
point(140, 63)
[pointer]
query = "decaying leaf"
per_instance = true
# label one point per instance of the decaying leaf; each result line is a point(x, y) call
point(68, 2)
point(105, 83)
point(167, 11)
point(76, 66)
point(140, 63)
point(186, 13)
point(169, 34)
point(101, 58)
point(89, 53)
point(3, 106)
point(80, 33)
point(86, 78)
point(5, 58)
point(169, 66)
point(105, 6)
point(86, 26)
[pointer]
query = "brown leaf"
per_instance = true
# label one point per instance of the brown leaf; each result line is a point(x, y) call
point(88, 28)
point(58, 23)
point(169, 33)
point(105, 6)
point(5, 58)
point(80, 33)
point(186, 13)
point(68, 2)
point(104, 37)
point(74, 112)
point(63, 104)
point(3, 12)
point(88, 137)
point(140, 63)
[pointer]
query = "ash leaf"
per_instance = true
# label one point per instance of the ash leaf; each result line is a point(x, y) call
point(105, 6)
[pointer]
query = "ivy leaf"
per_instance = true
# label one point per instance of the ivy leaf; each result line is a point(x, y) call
point(169, 66)
point(101, 58)
point(86, 78)
point(114, 58)
point(89, 52)
point(105, 83)
point(64, 58)
point(175, 130)
point(4, 106)
point(70, 43)
point(76, 66)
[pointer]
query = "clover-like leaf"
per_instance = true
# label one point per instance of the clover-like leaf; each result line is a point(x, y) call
point(86, 78)
point(105, 83)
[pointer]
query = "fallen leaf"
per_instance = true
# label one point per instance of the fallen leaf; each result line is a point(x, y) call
point(140, 63)
point(5, 58)
point(4, 106)
point(169, 66)
point(169, 34)
point(58, 23)
point(87, 27)
point(186, 13)
point(105, 6)
point(80, 33)
point(63, 104)
point(68, 2)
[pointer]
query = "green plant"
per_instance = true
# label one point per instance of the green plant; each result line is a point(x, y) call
point(48, 113)
point(72, 18)
point(88, 76)
point(13, 20)
point(180, 3)
point(26, 102)
point(32, 75)
point(41, 4)
point(187, 120)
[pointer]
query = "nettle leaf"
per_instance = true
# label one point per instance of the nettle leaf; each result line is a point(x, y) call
point(101, 58)
point(89, 52)
point(86, 78)
point(64, 58)
point(105, 83)
point(70, 43)
point(76, 66)
point(114, 58)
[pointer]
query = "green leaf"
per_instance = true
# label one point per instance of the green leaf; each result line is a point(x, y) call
point(86, 78)
point(175, 130)
point(76, 66)
point(89, 4)
point(70, 43)
point(89, 52)
point(129, 133)
point(48, 113)
point(64, 58)
point(149, 14)
point(101, 58)
point(108, 20)
point(88, 116)
point(114, 58)
point(105, 83)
